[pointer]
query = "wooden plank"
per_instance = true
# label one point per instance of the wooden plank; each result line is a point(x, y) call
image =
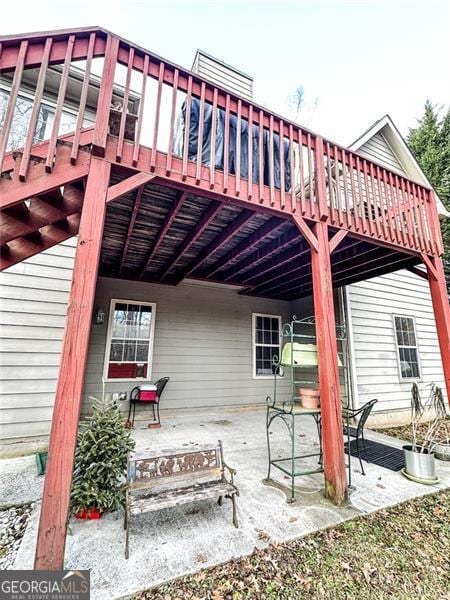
point(35, 111)
point(21, 220)
point(171, 215)
point(56, 495)
point(128, 185)
point(136, 205)
point(157, 114)
point(200, 135)
point(126, 96)
point(39, 182)
point(245, 245)
point(217, 243)
point(172, 124)
point(83, 99)
point(441, 308)
point(305, 230)
point(337, 239)
point(21, 248)
point(105, 96)
point(330, 396)
point(51, 151)
point(195, 233)
point(7, 121)
point(137, 141)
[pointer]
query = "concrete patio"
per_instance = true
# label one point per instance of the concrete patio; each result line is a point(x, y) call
point(178, 541)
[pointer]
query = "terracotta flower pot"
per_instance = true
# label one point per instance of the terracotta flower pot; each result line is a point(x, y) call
point(89, 513)
point(309, 397)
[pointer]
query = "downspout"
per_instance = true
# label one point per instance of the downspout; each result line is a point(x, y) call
point(347, 314)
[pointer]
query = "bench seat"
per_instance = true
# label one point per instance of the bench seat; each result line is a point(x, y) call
point(158, 500)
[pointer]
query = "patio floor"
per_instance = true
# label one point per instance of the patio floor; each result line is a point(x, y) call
point(181, 540)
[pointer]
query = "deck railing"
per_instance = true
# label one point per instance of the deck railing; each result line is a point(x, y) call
point(189, 130)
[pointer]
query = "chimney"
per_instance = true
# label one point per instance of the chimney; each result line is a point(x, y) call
point(223, 75)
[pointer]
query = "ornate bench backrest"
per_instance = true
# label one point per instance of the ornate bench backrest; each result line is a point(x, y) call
point(179, 467)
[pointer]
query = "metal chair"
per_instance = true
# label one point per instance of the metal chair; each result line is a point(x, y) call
point(135, 397)
point(363, 414)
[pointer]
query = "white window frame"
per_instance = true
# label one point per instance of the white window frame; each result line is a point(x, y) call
point(398, 346)
point(254, 344)
point(112, 305)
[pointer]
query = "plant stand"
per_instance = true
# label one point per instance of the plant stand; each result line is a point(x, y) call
point(288, 413)
point(298, 331)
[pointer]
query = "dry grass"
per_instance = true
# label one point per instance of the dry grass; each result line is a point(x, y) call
point(399, 553)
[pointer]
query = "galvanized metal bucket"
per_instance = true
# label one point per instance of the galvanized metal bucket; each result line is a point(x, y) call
point(419, 464)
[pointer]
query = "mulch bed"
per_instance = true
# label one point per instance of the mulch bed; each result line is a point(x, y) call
point(399, 553)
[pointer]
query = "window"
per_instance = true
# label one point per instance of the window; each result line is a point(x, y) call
point(408, 354)
point(130, 340)
point(266, 343)
point(21, 120)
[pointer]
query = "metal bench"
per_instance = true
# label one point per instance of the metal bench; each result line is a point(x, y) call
point(166, 478)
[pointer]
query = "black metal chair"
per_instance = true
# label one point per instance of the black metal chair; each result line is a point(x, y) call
point(363, 414)
point(135, 398)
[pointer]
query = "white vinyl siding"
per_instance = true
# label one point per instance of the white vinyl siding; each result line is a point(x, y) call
point(378, 149)
point(223, 75)
point(372, 304)
point(33, 297)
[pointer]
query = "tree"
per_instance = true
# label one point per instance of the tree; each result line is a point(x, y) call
point(101, 459)
point(430, 144)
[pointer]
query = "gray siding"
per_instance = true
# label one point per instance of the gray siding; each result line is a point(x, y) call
point(203, 342)
point(223, 75)
point(377, 148)
point(372, 304)
point(33, 297)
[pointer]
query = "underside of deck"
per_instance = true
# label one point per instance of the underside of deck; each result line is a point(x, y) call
point(163, 235)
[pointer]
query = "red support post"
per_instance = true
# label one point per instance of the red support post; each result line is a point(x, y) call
point(55, 502)
point(441, 307)
point(330, 397)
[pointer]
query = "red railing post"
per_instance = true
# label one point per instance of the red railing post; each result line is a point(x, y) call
point(320, 179)
point(105, 96)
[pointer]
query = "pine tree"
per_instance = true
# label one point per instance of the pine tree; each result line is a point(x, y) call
point(101, 459)
point(430, 144)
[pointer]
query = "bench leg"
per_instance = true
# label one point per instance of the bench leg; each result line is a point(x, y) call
point(220, 501)
point(126, 526)
point(233, 500)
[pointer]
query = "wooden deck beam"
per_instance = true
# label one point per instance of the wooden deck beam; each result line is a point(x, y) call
point(55, 502)
point(217, 243)
point(329, 386)
point(207, 217)
point(441, 308)
point(250, 242)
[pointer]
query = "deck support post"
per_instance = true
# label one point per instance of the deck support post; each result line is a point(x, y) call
point(441, 308)
point(55, 502)
point(329, 386)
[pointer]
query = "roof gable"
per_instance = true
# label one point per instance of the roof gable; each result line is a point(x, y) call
point(383, 143)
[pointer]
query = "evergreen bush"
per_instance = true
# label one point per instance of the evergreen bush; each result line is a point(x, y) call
point(101, 459)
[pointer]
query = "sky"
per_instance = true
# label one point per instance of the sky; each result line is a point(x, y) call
point(356, 60)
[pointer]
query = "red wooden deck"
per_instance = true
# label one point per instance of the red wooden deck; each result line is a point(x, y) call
point(306, 215)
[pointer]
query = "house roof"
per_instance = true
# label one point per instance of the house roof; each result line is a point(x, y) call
point(400, 148)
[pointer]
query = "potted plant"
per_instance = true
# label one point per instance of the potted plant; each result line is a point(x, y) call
point(100, 462)
point(441, 441)
point(419, 457)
